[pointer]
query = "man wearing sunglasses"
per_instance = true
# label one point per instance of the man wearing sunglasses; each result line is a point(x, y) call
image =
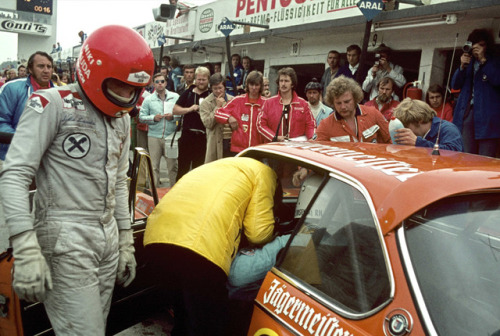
point(156, 111)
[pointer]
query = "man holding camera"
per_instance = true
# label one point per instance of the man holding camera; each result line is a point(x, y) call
point(382, 68)
point(478, 107)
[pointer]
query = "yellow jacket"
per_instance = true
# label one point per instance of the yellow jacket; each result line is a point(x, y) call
point(207, 209)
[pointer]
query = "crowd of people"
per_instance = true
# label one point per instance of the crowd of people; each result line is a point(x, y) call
point(75, 135)
point(344, 105)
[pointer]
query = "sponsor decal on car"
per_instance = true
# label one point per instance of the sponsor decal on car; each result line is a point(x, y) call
point(399, 169)
point(293, 309)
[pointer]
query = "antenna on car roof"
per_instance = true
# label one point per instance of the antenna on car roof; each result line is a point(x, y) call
point(435, 150)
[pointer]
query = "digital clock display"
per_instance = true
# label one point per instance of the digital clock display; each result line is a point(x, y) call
point(35, 6)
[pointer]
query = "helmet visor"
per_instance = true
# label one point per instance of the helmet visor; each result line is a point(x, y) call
point(120, 93)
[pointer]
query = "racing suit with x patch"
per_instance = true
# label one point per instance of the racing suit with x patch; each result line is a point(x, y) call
point(79, 158)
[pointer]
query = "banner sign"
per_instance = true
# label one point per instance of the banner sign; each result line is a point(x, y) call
point(24, 27)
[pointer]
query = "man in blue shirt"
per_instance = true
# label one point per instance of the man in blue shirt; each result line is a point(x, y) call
point(15, 93)
point(422, 127)
point(237, 75)
point(156, 111)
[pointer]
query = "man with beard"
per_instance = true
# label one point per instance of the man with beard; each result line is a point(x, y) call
point(193, 141)
point(384, 102)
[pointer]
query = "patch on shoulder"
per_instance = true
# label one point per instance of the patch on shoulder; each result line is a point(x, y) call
point(67, 98)
point(37, 102)
point(72, 100)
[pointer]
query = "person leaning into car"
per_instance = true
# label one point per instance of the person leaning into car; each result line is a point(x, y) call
point(194, 233)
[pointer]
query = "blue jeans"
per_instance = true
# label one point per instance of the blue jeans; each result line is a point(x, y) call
point(485, 147)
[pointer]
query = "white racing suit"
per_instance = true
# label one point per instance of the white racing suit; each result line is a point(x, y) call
point(80, 159)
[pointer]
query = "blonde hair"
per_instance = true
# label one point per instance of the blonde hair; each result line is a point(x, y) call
point(414, 111)
point(341, 85)
point(201, 70)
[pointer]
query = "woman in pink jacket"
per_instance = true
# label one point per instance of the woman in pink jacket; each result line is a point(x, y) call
point(241, 114)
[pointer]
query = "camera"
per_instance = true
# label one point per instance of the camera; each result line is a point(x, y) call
point(467, 48)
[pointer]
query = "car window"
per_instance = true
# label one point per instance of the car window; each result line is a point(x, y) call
point(337, 250)
point(144, 195)
point(454, 250)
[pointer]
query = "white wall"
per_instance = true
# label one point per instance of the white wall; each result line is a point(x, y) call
point(28, 44)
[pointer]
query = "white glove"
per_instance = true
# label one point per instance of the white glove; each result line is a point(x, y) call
point(126, 260)
point(31, 273)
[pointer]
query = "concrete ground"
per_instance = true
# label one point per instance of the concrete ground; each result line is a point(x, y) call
point(157, 325)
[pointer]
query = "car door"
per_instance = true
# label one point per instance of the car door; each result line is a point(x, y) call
point(334, 271)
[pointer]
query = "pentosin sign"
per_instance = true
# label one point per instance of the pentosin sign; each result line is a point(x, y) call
point(275, 13)
point(24, 27)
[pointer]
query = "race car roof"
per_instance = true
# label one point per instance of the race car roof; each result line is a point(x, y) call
point(399, 179)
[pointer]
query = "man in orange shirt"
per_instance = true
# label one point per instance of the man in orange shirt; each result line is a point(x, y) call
point(351, 122)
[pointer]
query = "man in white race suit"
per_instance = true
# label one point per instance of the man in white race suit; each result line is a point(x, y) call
point(75, 140)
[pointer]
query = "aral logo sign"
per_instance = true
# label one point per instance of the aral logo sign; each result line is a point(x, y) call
point(226, 26)
point(370, 8)
point(206, 20)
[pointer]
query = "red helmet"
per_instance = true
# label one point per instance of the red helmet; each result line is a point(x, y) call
point(119, 53)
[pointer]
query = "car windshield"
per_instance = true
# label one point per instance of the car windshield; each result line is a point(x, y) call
point(454, 247)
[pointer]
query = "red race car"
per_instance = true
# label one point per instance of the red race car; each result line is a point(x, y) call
point(385, 240)
point(389, 240)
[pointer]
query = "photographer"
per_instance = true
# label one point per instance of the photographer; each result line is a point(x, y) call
point(478, 107)
point(382, 68)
